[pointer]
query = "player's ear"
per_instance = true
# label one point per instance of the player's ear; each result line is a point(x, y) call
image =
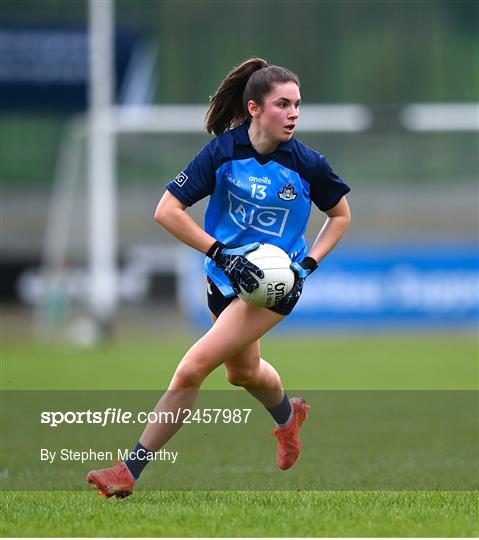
point(254, 109)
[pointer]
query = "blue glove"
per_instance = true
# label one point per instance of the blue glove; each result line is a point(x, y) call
point(236, 266)
point(302, 270)
point(307, 266)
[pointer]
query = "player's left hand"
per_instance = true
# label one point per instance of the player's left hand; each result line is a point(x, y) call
point(302, 270)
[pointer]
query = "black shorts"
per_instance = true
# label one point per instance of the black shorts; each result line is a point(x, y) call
point(217, 303)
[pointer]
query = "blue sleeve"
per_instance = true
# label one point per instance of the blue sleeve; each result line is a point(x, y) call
point(196, 181)
point(327, 188)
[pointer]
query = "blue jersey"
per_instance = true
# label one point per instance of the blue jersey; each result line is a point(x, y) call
point(256, 197)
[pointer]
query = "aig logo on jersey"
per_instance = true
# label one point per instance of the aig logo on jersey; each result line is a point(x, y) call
point(267, 219)
point(181, 178)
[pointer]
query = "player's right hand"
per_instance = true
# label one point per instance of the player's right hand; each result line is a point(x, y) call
point(236, 266)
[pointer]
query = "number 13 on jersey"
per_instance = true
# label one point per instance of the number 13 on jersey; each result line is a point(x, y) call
point(258, 191)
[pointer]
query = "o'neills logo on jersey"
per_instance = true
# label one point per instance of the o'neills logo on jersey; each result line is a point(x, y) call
point(181, 178)
point(267, 219)
point(287, 193)
point(262, 180)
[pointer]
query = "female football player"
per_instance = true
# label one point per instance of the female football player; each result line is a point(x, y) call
point(261, 182)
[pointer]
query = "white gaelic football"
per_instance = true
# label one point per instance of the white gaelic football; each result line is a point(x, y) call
point(278, 277)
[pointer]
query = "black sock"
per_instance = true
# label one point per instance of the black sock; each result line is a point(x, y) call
point(137, 460)
point(281, 412)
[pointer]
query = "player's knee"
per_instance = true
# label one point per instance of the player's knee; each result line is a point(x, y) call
point(188, 375)
point(241, 377)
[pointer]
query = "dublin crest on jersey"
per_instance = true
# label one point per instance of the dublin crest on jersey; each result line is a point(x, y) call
point(287, 193)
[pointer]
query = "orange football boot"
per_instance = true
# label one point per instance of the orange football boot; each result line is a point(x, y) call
point(116, 480)
point(289, 444)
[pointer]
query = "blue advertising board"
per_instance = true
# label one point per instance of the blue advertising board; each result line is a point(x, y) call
point(47, 69)
point(432, 286)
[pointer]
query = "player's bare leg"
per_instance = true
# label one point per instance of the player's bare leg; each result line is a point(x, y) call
point(259, 378)
point(239, 326)
point(254, 374)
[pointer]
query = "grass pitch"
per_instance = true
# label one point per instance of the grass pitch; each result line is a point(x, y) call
point(331, 363)
point(249, 514)
point(437, 362)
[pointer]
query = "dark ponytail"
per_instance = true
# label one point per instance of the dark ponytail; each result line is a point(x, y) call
point(252, 80)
